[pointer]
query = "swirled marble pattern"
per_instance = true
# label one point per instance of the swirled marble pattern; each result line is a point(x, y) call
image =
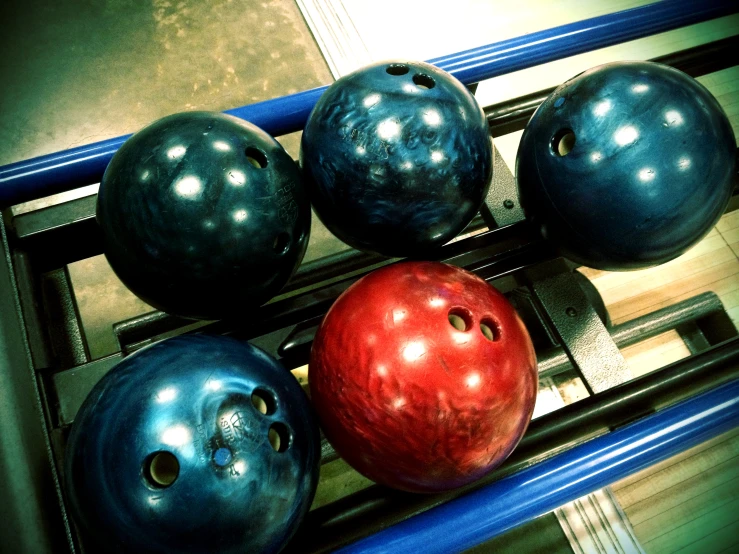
point(423, 376)
point(191, 398)
point(397, 158)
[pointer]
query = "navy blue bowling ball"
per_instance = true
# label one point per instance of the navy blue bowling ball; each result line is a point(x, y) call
point(203, 215)
point(195, 444)
point(626, 165)
point(397, 158)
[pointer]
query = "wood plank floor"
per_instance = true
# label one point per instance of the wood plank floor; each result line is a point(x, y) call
point(688, 503)
point(712, 265)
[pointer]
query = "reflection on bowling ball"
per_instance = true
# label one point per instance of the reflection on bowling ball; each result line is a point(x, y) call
point(203, 215)
point(195, 444)
point(397, 158)
point(423, 376)
point(626, 165)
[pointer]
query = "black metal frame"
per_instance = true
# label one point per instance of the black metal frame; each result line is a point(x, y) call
point(46, 369)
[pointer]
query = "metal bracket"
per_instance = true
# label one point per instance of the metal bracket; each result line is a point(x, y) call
point(583, 336)
point(501, 205)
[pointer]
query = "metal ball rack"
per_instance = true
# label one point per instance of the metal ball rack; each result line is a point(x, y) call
point(626, 424)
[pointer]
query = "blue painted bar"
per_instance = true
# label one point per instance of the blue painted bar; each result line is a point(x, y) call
point(61, 171)
point(485, 62)
point(496, 508)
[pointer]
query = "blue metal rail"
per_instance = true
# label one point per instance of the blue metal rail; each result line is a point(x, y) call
point(492, 510)
point(69, 169)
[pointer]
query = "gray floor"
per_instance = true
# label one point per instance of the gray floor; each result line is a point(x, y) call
point(84, 70)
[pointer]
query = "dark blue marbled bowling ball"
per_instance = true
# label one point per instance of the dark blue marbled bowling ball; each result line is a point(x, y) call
point(176, 450)
point(626, 165)
point(203, 215)
point(397, 158)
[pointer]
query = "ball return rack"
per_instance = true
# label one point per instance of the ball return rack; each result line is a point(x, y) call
point(623, 426)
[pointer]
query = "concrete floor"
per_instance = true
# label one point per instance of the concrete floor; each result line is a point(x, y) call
point(81, 71)
point(84, 70)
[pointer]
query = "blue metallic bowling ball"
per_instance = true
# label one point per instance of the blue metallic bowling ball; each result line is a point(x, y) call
point(397, 158)
point(626, 165)
point(195, 444)
point(203, 215)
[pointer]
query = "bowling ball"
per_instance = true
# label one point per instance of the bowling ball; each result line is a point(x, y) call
point(626, 165)
point(397, 158)
point(203, 215)
point(423, 376)
point(195, 444)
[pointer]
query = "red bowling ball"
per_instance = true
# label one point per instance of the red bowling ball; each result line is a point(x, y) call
point(423, 376)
